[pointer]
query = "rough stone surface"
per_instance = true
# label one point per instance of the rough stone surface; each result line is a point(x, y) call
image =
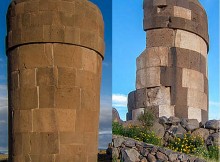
point(212, 124)
point(55, 51)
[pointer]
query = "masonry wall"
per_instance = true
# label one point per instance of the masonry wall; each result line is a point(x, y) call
point(55, 51)
point(171, 77)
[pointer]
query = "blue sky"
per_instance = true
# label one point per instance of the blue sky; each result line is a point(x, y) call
point(106, 89)
point(129, 41)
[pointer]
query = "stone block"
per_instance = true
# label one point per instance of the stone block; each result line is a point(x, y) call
point(182, 12)
point(136, 113)
point(37, 158)
point(196, 99)
point(90, 100)
point(159, 3)
point(27, 78)
point(28, 98)
point(46, 97)
point(206, 85)
point(44, 120)
point(91, 140)
point(179, 57)
point(203, 65)
point(44, 143)
point(22, 121)
point(19, 8)
point(21, 143)
point(68, 98)
point(193, 79)
point(132, 100)
point(46, 76)
point(67, 56)
point(88, 80)
point(67, 7)
point(166, 110)
point(71, 138)
point(204, 116)
point(141, 98)
point(148, 77)
point(155, 56)
point(66, 119)
point(14, 80)
point(67, 19)
point(158, 96)
point(17, 144)
point(33, 56)
point(13, 60)
point(194, 60)
point(181, 111)
point(160, 37)
point(72, 149)
point(53, 33)
point(70, 158)
point(89, 60)
point(182, 3)
point(31, 7)
point(48, 19)
point(66, 77)
point(72, 35)
point(32, 34)
point(156, 22)
point(19, 158)
point(89, 39)
point(191, 41)
point(194, 113)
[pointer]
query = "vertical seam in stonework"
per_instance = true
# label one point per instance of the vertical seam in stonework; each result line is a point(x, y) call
point(38, 97)
point(18, 79)
point(35, 80)
point(52, 45)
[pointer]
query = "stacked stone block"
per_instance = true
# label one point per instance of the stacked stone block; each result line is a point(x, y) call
point(55, 50)
point(171, 77)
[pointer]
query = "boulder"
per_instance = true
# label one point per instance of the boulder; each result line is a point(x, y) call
point(174, 120)
point(132, 155)
point(118, 141)
point(158, 129)
point(204, 133)
point(177, 131)
point(129, 143)
point(213, 139)
point(163, 120)
point(161, 156)
point(212, 124)
point(190, 124)
point(173, 156)
point(151, 158)
point(115, 153)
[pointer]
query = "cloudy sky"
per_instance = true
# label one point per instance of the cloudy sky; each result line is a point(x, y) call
point(129, 41)
point(106, 89)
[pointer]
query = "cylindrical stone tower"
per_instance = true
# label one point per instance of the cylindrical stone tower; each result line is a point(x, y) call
point(55, 50)
point(172, 77)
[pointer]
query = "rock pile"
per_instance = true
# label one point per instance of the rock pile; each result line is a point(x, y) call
point(130, 150)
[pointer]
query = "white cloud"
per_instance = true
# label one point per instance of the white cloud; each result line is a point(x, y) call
point(213, 103)
point(105, 132)
point(119, 100)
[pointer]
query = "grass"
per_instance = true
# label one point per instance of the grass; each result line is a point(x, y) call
point(3, 158)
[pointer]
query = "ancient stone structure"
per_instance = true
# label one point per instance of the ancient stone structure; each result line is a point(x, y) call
point(172, 77)
point(55, 50)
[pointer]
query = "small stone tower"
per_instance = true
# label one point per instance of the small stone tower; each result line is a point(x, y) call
point(55, 50)
point(172, 77)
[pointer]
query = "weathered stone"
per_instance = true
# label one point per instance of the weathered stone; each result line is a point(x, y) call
point(115, 153)
point(212, 124)
point(174, 120)
point(213, 139)
point(190, 124)
point(204, 133)
point(151, 158)
point(118, 141)
point(161, 156)
point(129, 143)
point(178, 131)
point(132, 154)
point(158, 129)
point(163, 120)
point(173, 157)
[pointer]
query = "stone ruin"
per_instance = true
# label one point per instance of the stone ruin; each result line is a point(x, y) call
point(55, 51)
point(171, 76)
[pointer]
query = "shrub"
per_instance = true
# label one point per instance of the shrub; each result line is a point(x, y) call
point(147, 118)
point(117, 128)
point(188, 144)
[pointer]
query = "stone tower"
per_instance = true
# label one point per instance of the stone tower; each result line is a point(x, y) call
point(171, 77)
point(55, 50)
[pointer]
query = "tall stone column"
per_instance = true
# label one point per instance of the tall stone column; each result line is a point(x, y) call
point(172, 77)
point(55, 50)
